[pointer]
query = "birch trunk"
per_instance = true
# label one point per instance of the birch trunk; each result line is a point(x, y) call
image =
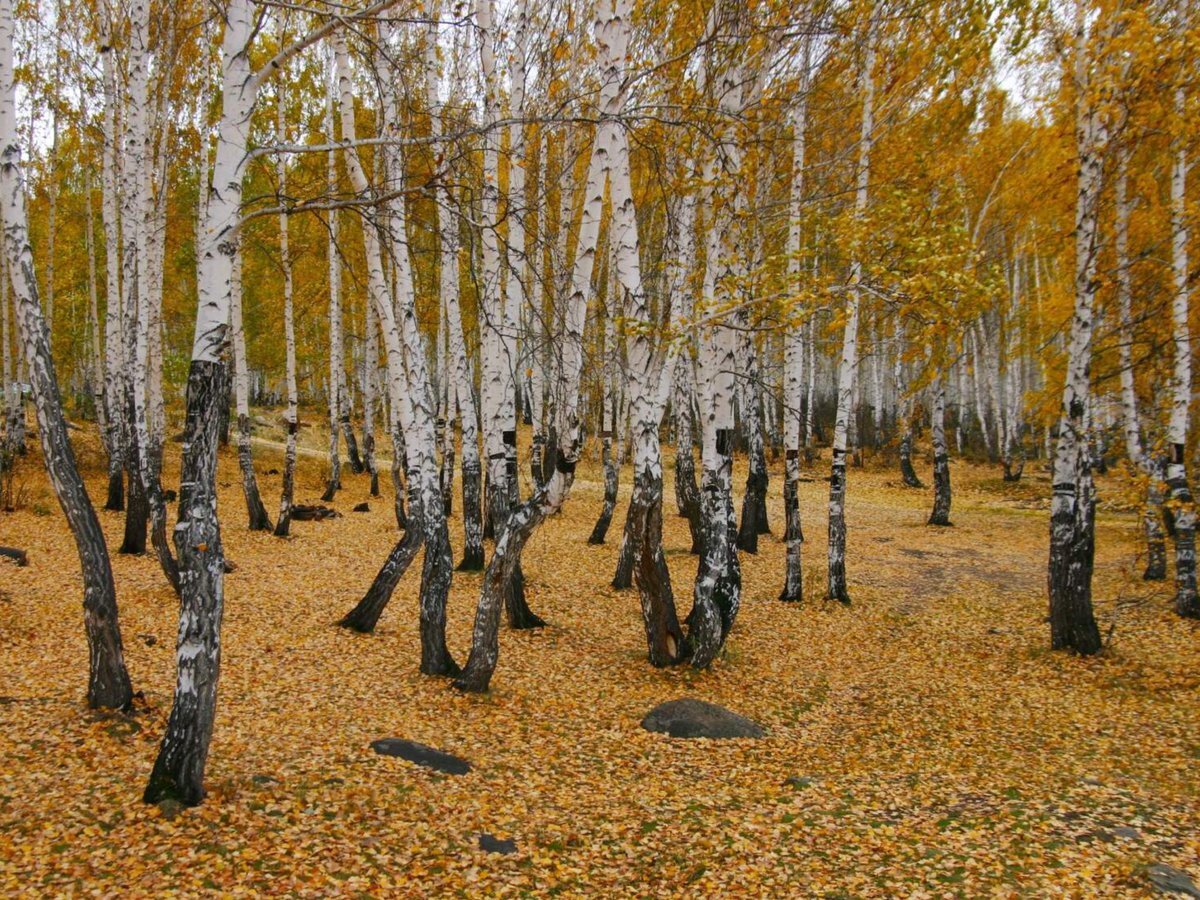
point(1072, 510)
point(687, 491)
point(179, 769)
point(370, 365)
point(1156, 551)
point(258, 520)
point(1187, 602)
point(108, 680)
point(608, 425)
point(114, 337)
point(409, 392)
point(292, 417)
point(940, 514)
point(477, 675)
point(847, 369)
point(907, 408)
point(793, 365)
point(463, 379)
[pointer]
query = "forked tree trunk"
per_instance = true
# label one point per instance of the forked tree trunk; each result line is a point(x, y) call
point(410, 395)
point(108, 680)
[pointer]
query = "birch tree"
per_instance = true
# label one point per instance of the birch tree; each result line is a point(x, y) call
point(1072, 511)
point(848, 366)
point(108, 679)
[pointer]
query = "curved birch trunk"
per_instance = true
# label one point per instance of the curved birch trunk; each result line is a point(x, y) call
point(526, 518)
point(108, 680)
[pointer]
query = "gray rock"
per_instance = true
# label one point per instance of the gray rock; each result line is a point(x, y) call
point(1170, 880)
point(429, 757)
point(689, 718)
point(489, 843)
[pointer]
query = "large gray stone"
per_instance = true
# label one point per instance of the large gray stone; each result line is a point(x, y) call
point(429, 757)
point(689, 718)
point(1170, 880)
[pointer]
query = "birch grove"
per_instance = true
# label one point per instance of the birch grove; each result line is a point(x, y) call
point(525, 245)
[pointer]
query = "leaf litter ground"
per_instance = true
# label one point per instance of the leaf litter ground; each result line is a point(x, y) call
point(922, 742)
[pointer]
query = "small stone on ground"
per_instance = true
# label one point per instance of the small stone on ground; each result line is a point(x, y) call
point(489, 843)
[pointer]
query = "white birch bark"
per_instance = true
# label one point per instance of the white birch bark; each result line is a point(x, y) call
point(108, 680)
point(611, 33)
point(1187, 602)
point(848, 367)
point(1072, 624)
point(291, 416)
point(1156, 561)
point(794, 350)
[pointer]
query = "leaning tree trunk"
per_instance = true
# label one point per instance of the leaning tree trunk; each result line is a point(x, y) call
point(108, 680)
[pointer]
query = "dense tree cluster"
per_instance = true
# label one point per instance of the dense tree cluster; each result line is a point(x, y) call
point(732, 227)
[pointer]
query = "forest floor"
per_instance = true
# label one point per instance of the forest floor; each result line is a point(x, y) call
point(921, 742)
